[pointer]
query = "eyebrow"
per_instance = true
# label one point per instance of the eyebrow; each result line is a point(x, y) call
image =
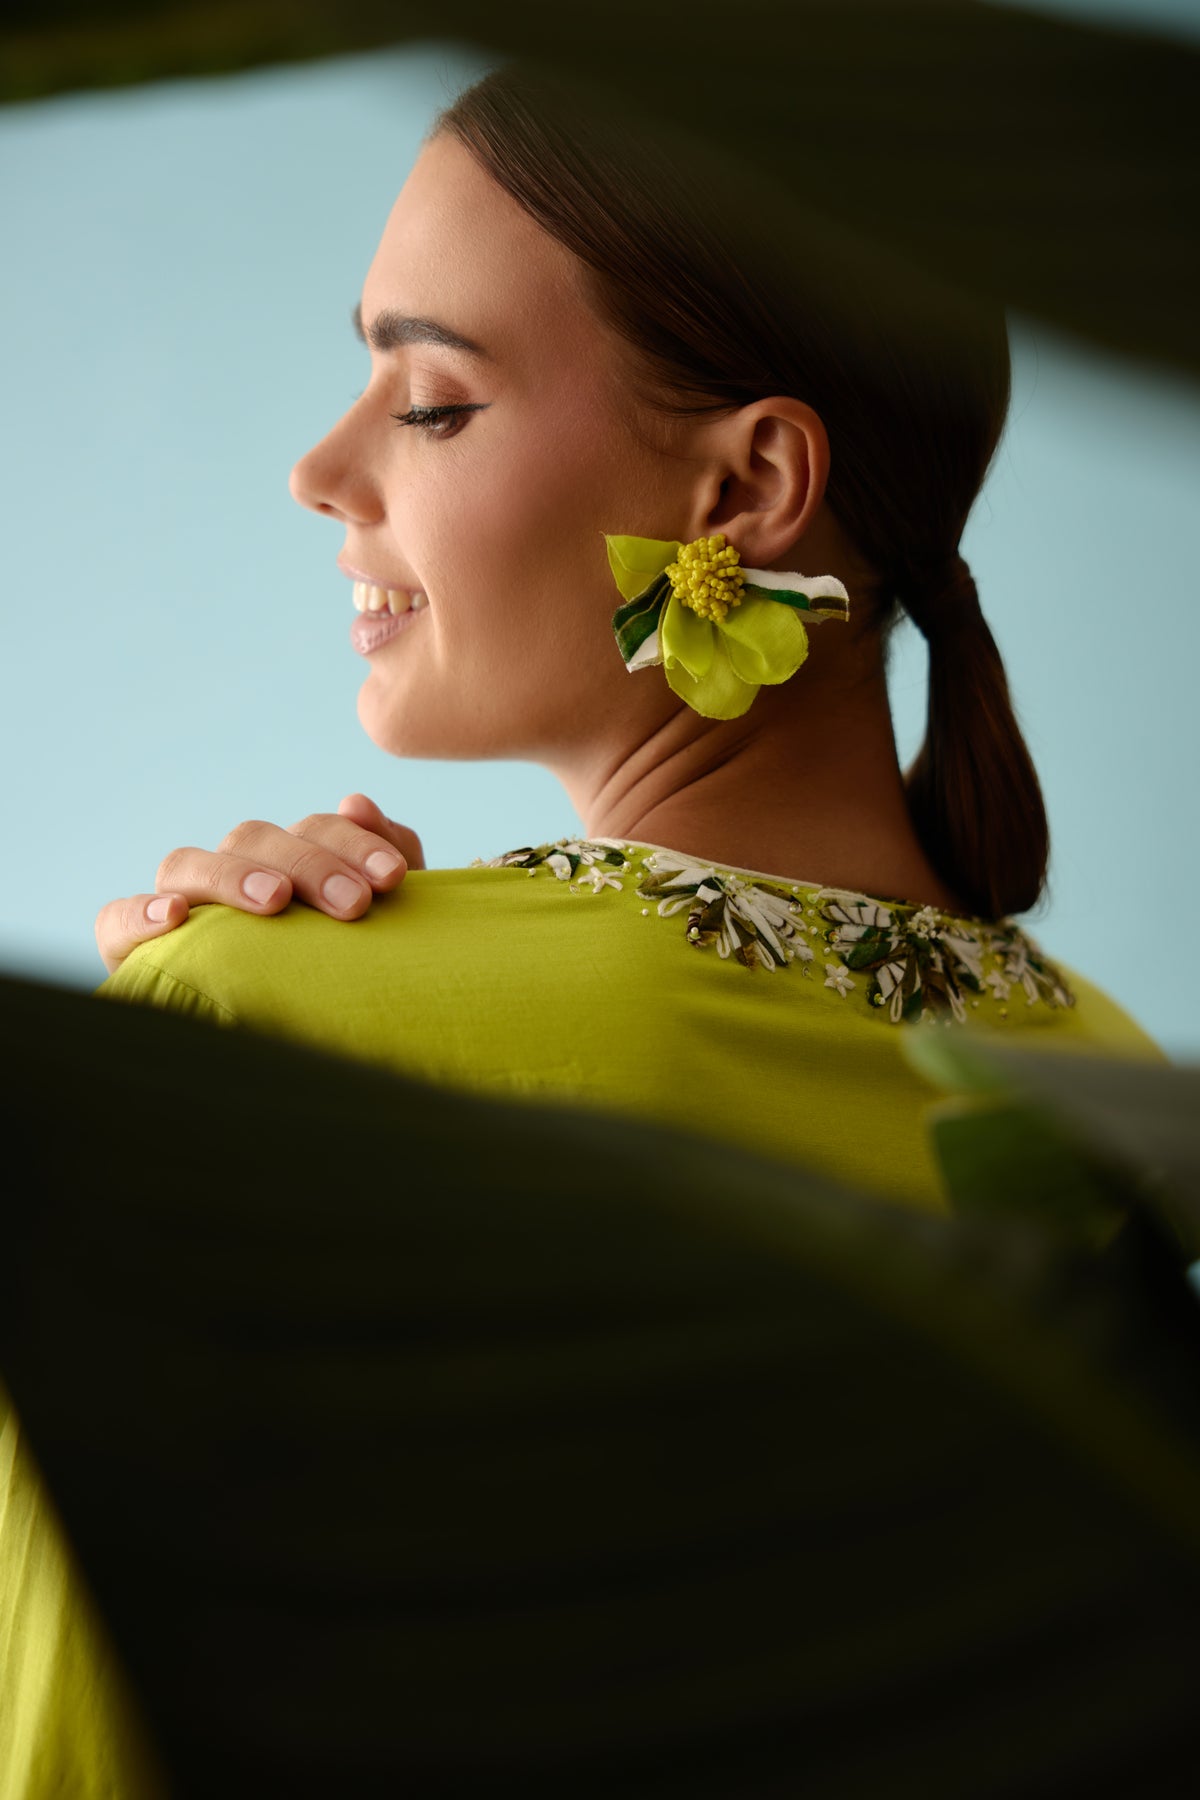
point(390, 329)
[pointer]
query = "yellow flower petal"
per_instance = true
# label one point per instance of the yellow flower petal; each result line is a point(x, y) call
point(686, 639)
point(718, 694)
point(635, 561)
point(765, 641)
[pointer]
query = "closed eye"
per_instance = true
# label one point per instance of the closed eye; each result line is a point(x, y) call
point(438, 421)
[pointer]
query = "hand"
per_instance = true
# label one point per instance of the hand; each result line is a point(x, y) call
point(336, 862)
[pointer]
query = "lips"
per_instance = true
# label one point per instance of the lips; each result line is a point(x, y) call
point(369, 631)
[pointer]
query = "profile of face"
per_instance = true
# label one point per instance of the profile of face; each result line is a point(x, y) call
point(495, 508)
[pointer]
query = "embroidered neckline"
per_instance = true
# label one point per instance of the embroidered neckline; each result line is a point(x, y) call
point(910, 959)
point(721, 868)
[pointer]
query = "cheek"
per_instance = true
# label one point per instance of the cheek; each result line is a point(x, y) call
point(506, 534)
point(513, 542)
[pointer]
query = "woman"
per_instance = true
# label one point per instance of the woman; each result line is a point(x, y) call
point(582, 396)
point(566, 349)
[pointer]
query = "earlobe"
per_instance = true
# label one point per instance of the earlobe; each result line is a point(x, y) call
point(776, 464)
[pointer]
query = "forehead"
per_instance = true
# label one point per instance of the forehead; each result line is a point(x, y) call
point(459, 249)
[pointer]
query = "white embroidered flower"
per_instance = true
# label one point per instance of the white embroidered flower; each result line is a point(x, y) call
point(966, 951)
point(924, 924)
point(852, 919)
point(1000, 985)
point(677, 871)
point(762, 910)
point(857, 915)
point(839, 978)
point(602, 878)
point(1020, 973)
point(890, 979)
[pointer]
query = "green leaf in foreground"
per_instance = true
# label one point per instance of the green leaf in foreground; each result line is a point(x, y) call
point(1082, 1135)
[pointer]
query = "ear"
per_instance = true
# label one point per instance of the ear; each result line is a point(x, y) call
point(766, 466)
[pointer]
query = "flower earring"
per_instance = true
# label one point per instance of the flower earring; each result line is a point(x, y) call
point(720, 631)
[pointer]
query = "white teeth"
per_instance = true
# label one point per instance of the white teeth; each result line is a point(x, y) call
point(369, 598)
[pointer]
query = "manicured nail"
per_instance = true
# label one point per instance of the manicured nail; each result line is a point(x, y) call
point(158, 908)
point(261, 887)
point(341, 892)
point(381, 863)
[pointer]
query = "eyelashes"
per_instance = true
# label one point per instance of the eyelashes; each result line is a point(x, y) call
point(438, 421)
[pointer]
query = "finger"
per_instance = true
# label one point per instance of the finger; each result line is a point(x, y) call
point(124, 924)
point(364, 812)
point(222, 877)
point(321, 857)
point(362, 853)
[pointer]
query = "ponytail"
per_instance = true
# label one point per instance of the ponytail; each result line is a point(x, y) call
point(973, 792)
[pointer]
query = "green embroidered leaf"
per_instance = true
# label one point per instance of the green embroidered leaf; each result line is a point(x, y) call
point(872, 948)
point(913, 1006)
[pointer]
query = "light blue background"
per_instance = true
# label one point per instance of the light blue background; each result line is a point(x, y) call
point(181, 261)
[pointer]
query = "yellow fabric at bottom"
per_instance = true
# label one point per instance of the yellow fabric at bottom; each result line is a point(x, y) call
point(69, 1728)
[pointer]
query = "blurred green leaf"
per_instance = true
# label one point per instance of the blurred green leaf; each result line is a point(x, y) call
point(1100, 1124)
point(1013, 1162)
point(405, 1446)
point(937, 149)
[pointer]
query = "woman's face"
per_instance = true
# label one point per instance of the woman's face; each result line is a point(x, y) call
point(496, 515)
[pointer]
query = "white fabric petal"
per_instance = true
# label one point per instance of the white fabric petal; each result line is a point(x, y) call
point(816, 587)
point(647, 655)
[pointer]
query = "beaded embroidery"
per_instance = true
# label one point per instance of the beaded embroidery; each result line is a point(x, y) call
point(911, 960)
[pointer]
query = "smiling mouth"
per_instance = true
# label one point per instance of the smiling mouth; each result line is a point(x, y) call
point(371, 599)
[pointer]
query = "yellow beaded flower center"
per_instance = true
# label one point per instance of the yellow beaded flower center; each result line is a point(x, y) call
point(707, 577)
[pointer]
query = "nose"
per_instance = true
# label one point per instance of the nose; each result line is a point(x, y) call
point(334, 477)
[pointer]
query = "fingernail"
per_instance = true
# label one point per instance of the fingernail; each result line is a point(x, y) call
point(341, 892)
point(158, 908)
point(261, 887)
point(381, 863)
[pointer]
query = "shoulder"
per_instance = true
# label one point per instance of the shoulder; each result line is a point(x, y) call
point(1099, 1022)
point(436, 935)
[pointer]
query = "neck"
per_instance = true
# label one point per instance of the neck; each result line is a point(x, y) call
point(806, 785)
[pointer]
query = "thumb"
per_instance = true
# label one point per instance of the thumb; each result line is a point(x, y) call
point(364, 812)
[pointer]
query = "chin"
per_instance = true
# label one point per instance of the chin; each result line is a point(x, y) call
point(393, 728)
point(417, 727)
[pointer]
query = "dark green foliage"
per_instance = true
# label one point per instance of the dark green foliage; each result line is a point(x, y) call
point(418, 1444)
point(933, 149)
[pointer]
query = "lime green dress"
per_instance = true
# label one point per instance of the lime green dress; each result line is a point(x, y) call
point(636, 979)
point(610, 974)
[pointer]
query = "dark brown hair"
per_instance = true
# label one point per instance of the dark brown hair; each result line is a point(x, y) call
point(913, 413)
